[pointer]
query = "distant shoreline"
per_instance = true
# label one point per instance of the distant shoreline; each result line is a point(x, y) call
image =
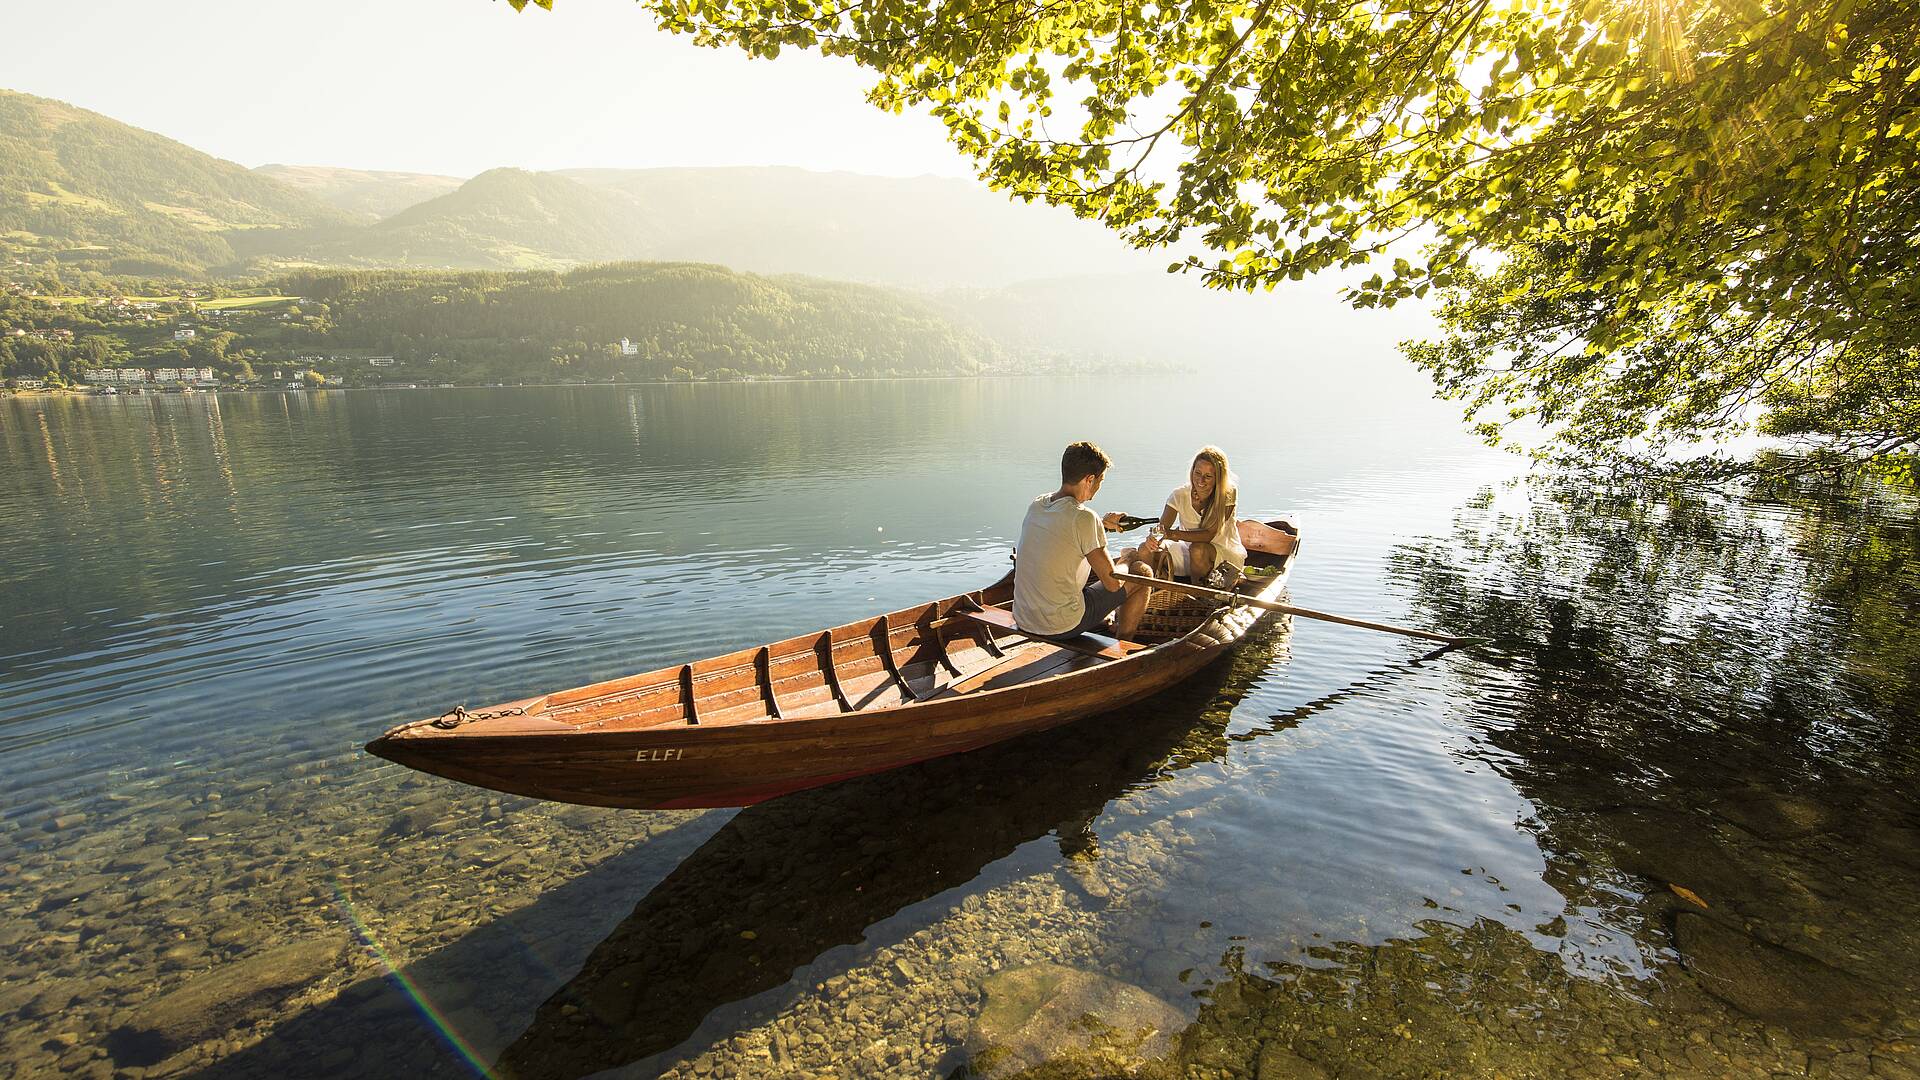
point(70, 392)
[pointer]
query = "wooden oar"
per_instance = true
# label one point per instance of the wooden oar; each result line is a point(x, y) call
point(1289, 609)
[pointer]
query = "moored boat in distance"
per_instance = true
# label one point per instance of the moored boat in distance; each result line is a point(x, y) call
point(732, 730)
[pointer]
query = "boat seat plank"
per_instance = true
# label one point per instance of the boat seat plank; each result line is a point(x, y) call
point(929, 677)
point(1100, 645)
point(1024, 663)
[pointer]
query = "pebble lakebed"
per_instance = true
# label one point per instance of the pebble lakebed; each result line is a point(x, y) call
point(161, 891)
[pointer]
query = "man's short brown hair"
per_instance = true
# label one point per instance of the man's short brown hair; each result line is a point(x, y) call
point(1083, 459)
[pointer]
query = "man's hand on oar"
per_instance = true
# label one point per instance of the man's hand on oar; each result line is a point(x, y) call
point(1305, 613)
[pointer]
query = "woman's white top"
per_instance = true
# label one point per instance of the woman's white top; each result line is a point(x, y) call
point(1226, 541)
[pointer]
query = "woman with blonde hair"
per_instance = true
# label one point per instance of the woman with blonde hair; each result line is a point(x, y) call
point(1198, 521)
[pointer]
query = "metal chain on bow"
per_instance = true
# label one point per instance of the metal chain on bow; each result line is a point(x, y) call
point(458, 715)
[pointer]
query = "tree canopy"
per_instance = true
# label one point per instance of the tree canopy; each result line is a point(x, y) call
point(1648, 222)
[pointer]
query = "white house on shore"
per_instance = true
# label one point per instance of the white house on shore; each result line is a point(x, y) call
point(185, 333)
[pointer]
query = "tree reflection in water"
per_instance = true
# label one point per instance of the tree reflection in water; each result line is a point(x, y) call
point(1696, 693)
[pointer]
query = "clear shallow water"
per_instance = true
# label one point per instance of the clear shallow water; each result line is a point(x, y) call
point(1326, 846)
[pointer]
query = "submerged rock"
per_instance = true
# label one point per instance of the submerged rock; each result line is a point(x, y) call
point(1060, 1022)
point(215, 1002)
point(1772, 983)
point(1277, 1062)
point(1772, 815)
point(51, 1000)
point(413, 820)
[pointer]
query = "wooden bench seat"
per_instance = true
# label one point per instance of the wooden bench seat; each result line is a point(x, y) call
point(1099, 645)
point(1025, 663)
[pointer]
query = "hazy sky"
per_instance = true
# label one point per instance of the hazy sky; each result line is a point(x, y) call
point(453, 86)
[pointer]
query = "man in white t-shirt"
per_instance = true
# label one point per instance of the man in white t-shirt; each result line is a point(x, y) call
point(1060, 542)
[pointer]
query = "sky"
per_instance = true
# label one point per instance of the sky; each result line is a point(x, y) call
point(454, 87)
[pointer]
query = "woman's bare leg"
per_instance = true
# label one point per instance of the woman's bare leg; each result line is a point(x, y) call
point(1200, 559)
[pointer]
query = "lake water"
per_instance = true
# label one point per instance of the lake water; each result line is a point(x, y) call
point(1666, 823)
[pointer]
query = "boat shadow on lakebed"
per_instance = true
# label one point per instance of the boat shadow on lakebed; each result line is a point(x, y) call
point(777, 886)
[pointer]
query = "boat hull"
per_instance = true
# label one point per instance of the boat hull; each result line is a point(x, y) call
point(718, 764)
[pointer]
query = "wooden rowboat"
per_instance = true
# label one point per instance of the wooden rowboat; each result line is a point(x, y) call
point(732, 730)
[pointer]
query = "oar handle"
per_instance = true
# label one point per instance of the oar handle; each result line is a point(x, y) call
point(1289, 609)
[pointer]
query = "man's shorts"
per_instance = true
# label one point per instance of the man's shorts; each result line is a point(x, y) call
point(1100, 603)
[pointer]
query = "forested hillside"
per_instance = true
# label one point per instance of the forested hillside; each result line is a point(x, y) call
point(89, 191)
point(701, 319)
point(679, 320)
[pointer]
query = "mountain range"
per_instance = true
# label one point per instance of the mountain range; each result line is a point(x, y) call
point(88, 191)
point(80, 190)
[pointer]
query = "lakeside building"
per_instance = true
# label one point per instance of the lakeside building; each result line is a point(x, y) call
point(115, 375)
point(185, 374)
point(380, 361)
point(628, 348)
point(124, 375)
point(185, 333)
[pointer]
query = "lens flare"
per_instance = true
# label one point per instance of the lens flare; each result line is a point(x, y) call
point(433, 1015)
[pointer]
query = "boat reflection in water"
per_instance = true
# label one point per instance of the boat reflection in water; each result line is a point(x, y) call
point(787, 880)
